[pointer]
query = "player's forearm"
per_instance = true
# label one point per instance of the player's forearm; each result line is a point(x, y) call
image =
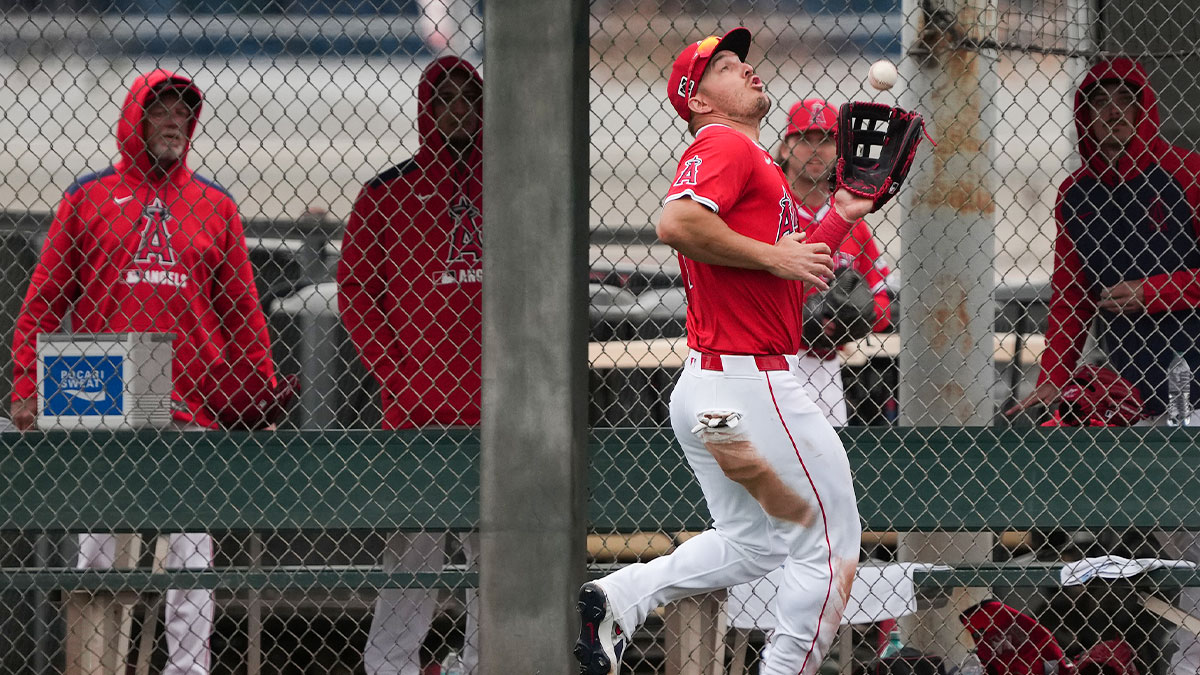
point(701, 235)
point(832, 229)
point(1172, 292)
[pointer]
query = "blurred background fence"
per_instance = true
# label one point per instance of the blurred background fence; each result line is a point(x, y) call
point(307, 102)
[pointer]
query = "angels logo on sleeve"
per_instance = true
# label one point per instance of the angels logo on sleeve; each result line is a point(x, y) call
point(691, 169)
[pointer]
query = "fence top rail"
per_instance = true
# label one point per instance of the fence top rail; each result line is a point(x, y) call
point(907, 479)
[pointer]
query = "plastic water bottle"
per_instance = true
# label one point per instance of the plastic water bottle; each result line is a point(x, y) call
point(894, 646)
point(451, 665)
point(1179, 387)
point(971, 665)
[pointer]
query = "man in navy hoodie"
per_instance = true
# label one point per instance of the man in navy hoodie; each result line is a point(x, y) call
point(1127, 258)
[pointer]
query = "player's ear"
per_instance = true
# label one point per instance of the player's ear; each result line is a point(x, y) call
point(699, 106)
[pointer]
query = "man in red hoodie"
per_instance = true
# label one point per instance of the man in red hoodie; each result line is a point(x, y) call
point(410, 289)
point(1127, 258)
point(147, 245)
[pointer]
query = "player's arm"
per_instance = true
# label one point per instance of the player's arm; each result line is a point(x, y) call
point(869, 263)
point(1071, 309)
point(236, 301)
point(364, 293)
point(701, 235)
point(52, 288)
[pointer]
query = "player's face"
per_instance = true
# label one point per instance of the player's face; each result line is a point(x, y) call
point(1113, 115)
point(732, 88)
point(809, 155)
point(165, 127)
point(456, 106)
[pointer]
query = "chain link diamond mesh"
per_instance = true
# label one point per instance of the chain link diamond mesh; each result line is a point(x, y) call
point(318, 217)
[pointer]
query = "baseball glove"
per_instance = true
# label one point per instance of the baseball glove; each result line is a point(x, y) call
point(876, 144)
point(849, 305)
point(241, 398)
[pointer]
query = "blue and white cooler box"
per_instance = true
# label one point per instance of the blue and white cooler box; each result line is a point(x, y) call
point(104, 380)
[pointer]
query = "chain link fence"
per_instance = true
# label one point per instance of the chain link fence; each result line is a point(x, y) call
point(294, 192)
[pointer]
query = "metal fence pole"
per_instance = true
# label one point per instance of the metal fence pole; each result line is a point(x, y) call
point(534, 337)
point(947, 316)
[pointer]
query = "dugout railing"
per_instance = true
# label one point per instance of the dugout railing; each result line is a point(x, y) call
point(918, 479)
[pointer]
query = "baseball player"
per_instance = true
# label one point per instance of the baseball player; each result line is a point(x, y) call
point(147, 245)
point(410, 288)
point(773, 471)
point(807, 154)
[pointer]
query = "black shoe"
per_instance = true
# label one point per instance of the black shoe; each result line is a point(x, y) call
point(601, 641)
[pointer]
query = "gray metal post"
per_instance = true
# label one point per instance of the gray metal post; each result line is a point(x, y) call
point(947, 311)
point(534, 434)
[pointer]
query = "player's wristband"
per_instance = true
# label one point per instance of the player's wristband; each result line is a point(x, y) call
point(832, 230)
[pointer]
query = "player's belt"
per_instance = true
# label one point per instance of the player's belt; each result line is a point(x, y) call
point(775, 362)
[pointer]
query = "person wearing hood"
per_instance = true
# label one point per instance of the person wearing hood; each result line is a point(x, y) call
point(1127, 264)
point(410, 287)
point(1127, 251)
point(148, 245)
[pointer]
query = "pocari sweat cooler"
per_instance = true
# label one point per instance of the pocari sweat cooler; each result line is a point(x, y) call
point(104, 380)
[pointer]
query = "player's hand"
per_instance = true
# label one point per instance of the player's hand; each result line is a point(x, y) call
point(850, 206)
point(810, 263)
point(1127, 297)
point(24, 413)
point(1045, 394)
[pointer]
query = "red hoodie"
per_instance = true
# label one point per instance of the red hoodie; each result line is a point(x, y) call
point(410, 281)
point(1137, 219)
point(135, 251)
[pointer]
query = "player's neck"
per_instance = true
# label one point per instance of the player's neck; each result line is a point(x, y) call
point(747, 127)
point(813, 195)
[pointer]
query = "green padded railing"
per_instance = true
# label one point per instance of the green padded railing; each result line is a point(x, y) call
point(908, 479)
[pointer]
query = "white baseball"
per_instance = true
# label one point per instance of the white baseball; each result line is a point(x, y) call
point(882, 74)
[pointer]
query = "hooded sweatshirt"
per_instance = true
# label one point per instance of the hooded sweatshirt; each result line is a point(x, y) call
point(410, 280)
point(1136, 219)
point(132, 250)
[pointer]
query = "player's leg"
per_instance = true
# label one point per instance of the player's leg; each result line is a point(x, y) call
point(470, 651)
point(820, 567)
point(96, 551)
point(742, 546)
point(188, 615)
point(822, 379)
point(403, 616)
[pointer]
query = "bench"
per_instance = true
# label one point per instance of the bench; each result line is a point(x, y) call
point(908, 480)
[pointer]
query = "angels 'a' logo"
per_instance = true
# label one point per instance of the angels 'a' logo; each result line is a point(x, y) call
point(466, 240)
point(690, 170)
point(789, 217)
point(155, 247)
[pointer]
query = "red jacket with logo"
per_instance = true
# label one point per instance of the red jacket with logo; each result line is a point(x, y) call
point(133, 251)
point(410, 281)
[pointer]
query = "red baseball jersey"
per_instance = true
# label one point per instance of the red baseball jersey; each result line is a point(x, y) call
point(732, 310)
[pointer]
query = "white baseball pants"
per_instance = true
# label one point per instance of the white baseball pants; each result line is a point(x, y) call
point(818, 560)
point(403, 616)
point(752, 605)
point(188, 615)
point(823, 382)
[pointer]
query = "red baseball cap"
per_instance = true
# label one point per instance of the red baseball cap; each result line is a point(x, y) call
point(690, 64)
point(809, 114)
